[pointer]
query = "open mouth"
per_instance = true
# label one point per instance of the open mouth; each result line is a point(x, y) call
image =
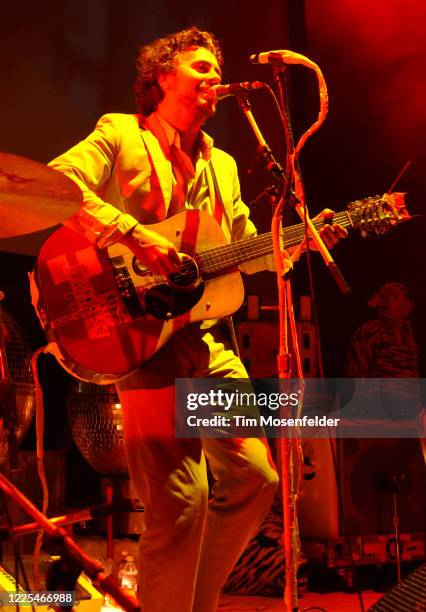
point(207, 97)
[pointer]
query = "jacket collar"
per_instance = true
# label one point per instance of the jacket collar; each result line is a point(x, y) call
point(158, 136)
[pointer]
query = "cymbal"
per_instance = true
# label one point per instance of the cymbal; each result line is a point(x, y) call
point(33, 197)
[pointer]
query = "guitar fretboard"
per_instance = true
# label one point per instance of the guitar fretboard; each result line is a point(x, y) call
point(216, 260)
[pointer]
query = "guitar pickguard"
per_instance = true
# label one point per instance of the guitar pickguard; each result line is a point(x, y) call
point(163, 302)
point(145, 293)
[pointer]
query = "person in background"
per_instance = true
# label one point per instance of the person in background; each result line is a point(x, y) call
point(384, 346)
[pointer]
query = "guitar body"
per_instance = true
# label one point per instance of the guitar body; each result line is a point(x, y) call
point(107, 315)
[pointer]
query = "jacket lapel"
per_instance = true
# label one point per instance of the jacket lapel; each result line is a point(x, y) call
point(222, 182)
point(162, 166)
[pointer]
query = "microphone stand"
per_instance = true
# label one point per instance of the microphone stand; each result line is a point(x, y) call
point(80, 559)
point(297, 199)
point(287, 455)
point(80, 516)
point(395, 491)
point(276, 196)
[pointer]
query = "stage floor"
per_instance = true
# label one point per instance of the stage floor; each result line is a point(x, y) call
point(330, 602)
point(316, 602)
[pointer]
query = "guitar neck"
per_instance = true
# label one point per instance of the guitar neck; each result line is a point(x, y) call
point(218, 259)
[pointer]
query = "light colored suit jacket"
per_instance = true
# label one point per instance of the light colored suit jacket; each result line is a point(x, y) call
point(125, 178)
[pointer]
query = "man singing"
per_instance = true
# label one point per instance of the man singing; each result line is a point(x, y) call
point(135, 170)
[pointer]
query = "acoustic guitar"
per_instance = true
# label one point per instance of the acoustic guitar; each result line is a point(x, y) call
point(105, 313)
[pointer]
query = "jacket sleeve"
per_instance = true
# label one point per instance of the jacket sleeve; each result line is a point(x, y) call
point(89, 164)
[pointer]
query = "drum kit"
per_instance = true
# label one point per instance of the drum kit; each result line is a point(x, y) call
point(33, 200)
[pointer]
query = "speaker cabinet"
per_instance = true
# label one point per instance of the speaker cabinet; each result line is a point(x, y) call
point(317, 504)
point(369, 472)
point(258, 344)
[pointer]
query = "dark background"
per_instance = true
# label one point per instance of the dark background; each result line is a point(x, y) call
point(65, 63)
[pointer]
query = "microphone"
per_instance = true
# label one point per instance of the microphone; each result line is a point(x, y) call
point(269, 57)
point(233, 89)
point(280, 58)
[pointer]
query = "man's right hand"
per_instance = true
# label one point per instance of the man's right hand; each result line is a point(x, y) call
point(152, 250)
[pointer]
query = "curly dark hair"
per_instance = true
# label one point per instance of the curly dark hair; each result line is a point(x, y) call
point(159, 57)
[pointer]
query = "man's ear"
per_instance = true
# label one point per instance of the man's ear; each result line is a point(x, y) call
point(164, 80)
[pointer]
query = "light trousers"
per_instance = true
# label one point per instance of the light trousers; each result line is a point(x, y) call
point(190, 543)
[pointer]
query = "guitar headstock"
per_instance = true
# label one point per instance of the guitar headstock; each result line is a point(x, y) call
point(378, 214)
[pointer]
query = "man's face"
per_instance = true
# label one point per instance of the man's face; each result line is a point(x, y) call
point(399, 306)
point(189, 87)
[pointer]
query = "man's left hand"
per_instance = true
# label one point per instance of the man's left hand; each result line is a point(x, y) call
point(331, 234)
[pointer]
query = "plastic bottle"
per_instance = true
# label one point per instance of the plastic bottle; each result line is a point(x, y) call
point(121, 565)
point(129, 575)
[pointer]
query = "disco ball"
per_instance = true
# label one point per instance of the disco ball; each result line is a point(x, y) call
point(96, 421)
point(17, 390)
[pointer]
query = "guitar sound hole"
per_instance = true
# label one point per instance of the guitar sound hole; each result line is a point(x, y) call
point(187, 277)
point(163, 302)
